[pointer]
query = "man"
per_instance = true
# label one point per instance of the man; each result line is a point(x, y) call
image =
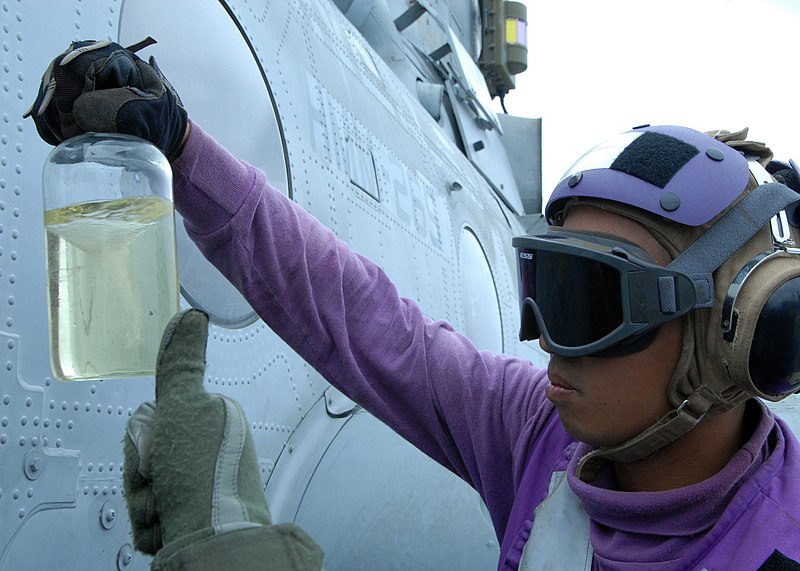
point(641, 446)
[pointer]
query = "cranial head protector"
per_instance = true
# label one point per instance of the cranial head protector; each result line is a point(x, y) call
point(732, 229)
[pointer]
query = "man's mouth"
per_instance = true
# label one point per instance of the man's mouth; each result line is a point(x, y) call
point(559, 390)
point(557, 380)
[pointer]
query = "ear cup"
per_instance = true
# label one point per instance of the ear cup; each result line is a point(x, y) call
point(775, 351)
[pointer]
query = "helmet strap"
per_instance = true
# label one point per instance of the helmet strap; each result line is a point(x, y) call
point(667, 429)
point(728, 234)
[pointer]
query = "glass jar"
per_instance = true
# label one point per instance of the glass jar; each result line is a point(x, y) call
point(112, 279)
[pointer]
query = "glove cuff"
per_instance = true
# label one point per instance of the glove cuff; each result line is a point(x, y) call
point(283, 546)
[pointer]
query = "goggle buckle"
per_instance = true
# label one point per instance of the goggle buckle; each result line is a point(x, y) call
point(781, 233)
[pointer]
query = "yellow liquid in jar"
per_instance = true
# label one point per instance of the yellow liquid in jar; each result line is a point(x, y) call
point(112, 286)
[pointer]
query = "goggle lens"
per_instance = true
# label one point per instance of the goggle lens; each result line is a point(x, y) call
point(579, 299)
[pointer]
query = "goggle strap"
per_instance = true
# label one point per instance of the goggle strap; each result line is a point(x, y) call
point(668, 428)
point(728, 234)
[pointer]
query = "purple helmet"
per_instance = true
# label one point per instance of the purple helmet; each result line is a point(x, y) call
point(674, 172)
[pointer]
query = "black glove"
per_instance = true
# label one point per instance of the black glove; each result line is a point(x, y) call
point(191, 475)
point(105, 88)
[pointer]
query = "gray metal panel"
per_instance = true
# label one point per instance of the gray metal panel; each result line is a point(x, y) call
point(335, 108)
point(522, 140)
point(390, 492)
point(485, 149)
point(75, 429)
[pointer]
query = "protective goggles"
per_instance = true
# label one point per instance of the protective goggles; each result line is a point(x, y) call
point(590, 295)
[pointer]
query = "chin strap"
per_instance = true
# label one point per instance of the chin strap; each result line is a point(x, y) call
point(668, 428)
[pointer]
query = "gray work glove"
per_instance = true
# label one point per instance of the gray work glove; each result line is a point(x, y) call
point(105, 88)
point(191, 477)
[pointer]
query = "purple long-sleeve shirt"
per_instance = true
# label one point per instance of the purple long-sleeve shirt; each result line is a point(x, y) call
point(483, 416)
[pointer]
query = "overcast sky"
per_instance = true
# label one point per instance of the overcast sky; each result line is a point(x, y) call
point(596, 68)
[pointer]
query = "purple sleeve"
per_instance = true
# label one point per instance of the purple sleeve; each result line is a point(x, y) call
point(471, 411)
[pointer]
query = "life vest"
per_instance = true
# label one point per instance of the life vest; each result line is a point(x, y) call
point(560, 535)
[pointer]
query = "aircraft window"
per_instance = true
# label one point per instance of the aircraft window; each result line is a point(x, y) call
point(482, 323)
point(225, 90)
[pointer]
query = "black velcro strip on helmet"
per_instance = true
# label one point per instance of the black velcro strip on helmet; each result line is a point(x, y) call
point(654, 158)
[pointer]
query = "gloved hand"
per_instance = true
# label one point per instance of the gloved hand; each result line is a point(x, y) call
point(741, 143)
point(103, 87)
point(191, 478)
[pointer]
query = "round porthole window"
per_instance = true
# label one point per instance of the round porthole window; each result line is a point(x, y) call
point(482, 323)
point(225, 90)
